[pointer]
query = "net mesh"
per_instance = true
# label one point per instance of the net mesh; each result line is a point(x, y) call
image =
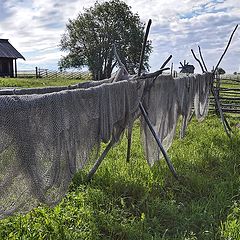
point(28, 91)
point(49, 134)
point(46, 138)
point(160, 102)
point(186, 90)
point(165, 99)
point(201, 99)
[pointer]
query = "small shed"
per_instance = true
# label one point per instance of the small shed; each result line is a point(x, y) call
point(8, 59)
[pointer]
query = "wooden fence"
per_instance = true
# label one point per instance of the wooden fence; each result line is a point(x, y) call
point(31, 73)
point(52, 74)
point(228, 90)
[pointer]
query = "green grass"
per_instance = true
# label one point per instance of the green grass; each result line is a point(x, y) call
point(39, 82)
point(133, 201)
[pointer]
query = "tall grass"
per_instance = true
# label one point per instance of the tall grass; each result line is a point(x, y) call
point(133, 201)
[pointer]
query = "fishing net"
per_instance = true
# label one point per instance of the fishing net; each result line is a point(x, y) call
point(49, 134)
point(186, 89)
point(160, 102)
point(27, 91)
point(201, 99)
point(46, 138)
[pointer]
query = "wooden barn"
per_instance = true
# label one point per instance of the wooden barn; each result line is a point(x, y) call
point(8, 59)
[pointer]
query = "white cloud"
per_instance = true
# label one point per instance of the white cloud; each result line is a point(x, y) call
point(35, 28)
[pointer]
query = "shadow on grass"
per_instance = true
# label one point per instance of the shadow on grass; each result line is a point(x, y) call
point(163, 208)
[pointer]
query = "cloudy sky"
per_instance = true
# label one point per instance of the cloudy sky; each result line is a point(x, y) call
point(35, 28)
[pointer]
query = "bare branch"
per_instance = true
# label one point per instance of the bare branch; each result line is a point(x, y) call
point(197, 60)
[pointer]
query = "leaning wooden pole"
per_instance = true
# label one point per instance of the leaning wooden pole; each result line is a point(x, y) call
point(200, 64)
point(138, 74)
point(143, 111)
point(228, 44)
point(200, 53)
point(223, 119)
point(99, 161)
point(144, 47)
point(166, 62)
point(215, 70)
point(168, 161)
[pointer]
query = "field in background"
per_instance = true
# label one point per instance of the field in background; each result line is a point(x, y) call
point(132, 201)
point(51, 74)
point(39, 82)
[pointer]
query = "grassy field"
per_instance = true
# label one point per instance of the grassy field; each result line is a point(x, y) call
point(39, 82)
point(132, 201)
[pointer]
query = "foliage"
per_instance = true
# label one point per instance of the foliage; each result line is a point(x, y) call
point(89, 39)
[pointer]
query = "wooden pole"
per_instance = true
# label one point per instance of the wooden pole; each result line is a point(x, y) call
point(166, 62)
point(228, 44)
point(117, 56)
point(226, 126)
point(36, 69)
point(15, 67)
point(129, 143)
point(197, 60)
point(218, 105)
point(200, 53)
point(155, 74)
point(144, 46)
point(100, 159)
point(103, 155)
point(146, 118)
point(138, 74)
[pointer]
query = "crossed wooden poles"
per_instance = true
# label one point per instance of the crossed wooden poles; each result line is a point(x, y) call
point(202, 64)
point(203, 67)
point(143, 112)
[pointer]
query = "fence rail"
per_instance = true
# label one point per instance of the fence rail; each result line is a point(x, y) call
point(228, 90)
point(51, 74)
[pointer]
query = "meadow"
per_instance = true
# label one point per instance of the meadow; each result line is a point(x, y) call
point(133, 201)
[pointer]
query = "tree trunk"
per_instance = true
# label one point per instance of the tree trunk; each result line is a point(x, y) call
point(108, 69)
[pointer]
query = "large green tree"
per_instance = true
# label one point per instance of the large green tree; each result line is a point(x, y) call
point(89, 38)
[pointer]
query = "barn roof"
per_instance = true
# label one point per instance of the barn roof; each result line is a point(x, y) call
point(8, 51)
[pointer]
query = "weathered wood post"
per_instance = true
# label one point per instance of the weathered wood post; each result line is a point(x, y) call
point(15, 67)
point(36, 69)
point(217, 90)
